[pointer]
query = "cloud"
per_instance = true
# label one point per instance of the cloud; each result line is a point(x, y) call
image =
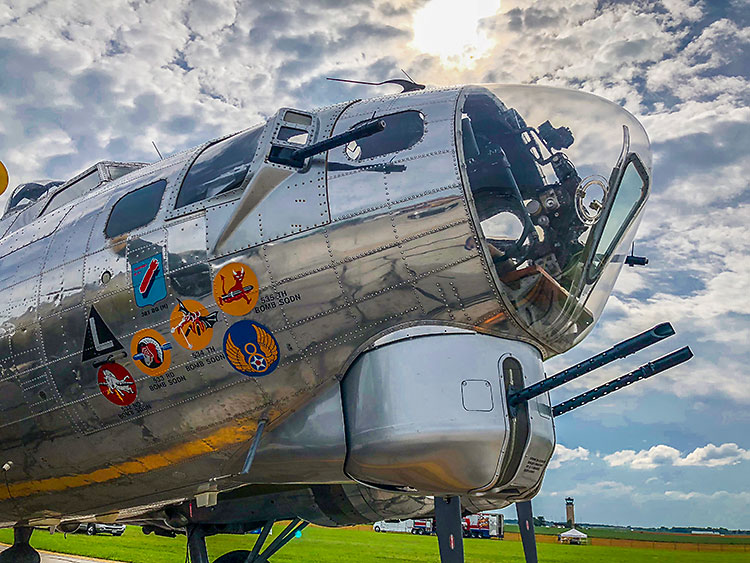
point(742, 496)
point(598, 488)
point(564, 455)
point(713, 456)
point(662, 455)
point(644, 459)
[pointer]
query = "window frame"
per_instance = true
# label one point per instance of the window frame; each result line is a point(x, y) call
point(95, 169)
point(123, 196)
point(592, 274)
point(174, 212)
point(383, 117)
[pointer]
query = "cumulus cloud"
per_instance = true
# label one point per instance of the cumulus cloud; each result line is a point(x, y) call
point(662, 455)
point(564, 455)
point(713, 456)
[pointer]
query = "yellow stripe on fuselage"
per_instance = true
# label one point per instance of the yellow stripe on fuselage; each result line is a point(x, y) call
point(219, 439)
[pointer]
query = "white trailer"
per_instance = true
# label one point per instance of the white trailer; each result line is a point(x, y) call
point(404, 526)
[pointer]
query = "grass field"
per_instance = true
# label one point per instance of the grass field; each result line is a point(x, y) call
point(613, 533)
point(353, 546)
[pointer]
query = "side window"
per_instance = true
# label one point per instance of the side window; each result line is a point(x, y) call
point(73, 191)
point(136, 209)
point(402, 130)
point(219, 168)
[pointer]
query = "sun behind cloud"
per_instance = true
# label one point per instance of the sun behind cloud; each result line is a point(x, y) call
point(449, 29)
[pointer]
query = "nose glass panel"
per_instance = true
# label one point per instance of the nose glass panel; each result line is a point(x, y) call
point(557, 178)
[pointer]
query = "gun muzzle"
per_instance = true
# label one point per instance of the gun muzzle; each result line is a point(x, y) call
point(643, 372)
point(616, 352)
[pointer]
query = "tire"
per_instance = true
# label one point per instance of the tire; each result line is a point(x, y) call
point(377, 528)
point(414, 531)
point(91, 530)
point(238, 556)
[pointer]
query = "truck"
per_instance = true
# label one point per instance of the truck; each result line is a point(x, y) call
point(420, 527)
point(483, 526)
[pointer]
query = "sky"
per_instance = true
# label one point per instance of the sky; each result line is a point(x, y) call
point(82, 81)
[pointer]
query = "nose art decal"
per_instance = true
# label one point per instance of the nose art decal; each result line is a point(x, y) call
point(251, 348)
point(116, 384)
point(236, 289)
point(149, 285)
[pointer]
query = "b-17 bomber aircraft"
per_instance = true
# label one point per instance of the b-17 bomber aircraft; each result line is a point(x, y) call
point(336, 317)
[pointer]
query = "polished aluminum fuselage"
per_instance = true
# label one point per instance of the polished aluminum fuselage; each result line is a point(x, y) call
point(342, 259)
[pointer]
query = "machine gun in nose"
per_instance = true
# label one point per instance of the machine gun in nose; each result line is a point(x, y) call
point(616, 352)
point(643, 372)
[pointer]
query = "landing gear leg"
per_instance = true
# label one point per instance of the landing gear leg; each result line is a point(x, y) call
point(20, 551)
point(449, 531)
point(196, 541)
point(256, 556)
point(526, 527)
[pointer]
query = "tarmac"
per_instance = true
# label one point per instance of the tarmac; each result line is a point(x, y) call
point(50, 557)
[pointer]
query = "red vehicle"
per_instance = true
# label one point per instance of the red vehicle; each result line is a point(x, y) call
point(483, 526)
point(422, 527)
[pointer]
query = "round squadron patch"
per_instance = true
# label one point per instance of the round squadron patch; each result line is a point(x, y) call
point(116, 384)
point(151, 352)
point(236, 289)
point(251, 348)
point(192, 325)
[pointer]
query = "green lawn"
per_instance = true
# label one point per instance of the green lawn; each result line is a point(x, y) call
point(349, 546)
point(614, 533)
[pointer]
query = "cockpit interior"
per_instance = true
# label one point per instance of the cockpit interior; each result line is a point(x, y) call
point(551, 227)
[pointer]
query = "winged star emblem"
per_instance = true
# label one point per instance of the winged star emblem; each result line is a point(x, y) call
point(254, 357)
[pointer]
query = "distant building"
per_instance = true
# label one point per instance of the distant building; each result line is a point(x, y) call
point(570, 516)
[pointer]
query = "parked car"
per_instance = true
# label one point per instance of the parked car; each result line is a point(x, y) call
point(94, 528)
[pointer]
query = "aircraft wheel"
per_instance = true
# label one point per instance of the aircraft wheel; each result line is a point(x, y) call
point(377, 528)
point(238, 556)
point(91, 530)
point(414, 531)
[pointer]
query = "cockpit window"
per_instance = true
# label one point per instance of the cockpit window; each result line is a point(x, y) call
point(631, 192)
point(136, 209)
point(536, 160)
point(402, 131)
point(74, 191)
point(221, 167)
point(28, 193)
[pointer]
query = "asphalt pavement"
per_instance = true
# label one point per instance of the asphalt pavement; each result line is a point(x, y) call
point(49, 557)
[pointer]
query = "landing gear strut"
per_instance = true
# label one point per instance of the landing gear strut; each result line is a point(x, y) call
point(20, 551)
point(196, 535)
point(449, 530)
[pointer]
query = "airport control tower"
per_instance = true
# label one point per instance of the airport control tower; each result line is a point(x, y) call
point(570, 516)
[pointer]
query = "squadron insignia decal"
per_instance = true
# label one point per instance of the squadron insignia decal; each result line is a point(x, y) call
point(236, 289)
point(251, 348)
point(149, 284)
point(98, 340)
point(151, 352)
point(192, 326)
point(116, 384)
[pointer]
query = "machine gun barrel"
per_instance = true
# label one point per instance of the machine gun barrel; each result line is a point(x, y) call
point(355, 134)
point(643, 372)
point(624, 348)
point(296, 157)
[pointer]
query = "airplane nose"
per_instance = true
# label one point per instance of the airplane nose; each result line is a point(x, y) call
point(558, 179)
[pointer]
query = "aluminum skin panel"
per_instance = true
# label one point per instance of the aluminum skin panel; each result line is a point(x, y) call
point(308, 447)
point(406, 424)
